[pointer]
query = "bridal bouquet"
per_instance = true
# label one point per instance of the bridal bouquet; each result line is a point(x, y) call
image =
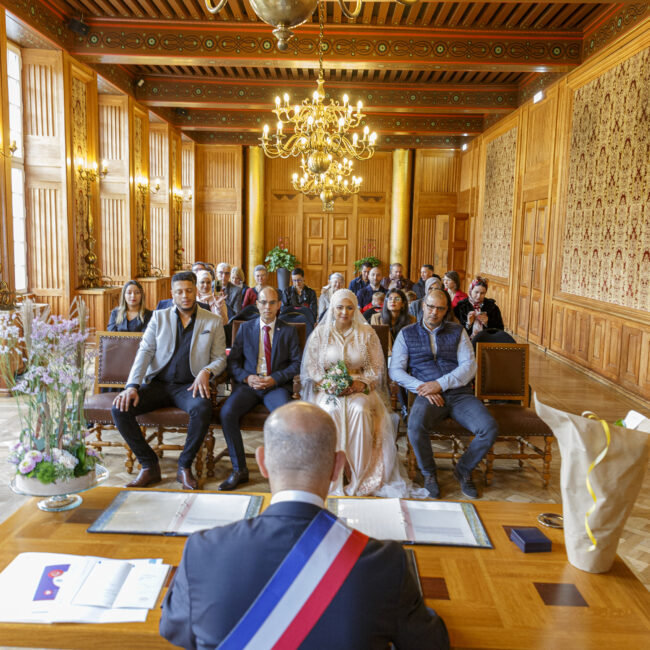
point(337, 379)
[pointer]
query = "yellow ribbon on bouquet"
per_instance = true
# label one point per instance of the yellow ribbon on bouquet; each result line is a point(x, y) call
point(598, 459)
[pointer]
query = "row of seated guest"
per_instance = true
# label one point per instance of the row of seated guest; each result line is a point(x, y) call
point(130, 315)
point(476, 312)
point(183, 345)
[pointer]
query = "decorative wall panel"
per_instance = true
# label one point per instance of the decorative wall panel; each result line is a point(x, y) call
point(44, 207)
point(115, 229)
point(79, 125)
point(160, 238)
point(606, 251)
point(498, 204)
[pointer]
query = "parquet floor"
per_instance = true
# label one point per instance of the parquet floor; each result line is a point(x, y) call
point(555, 383)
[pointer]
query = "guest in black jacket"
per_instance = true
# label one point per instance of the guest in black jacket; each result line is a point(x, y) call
point(299, 294)
point(131, 314)
point(476, 312)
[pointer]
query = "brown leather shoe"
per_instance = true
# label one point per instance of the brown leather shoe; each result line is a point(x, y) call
point(185, 478)
point(147, 476)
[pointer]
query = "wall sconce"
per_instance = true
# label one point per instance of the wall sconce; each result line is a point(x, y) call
point(187, 195)
point(92, 277)
point(155, 187)
point(177, 197)
point(144, 262)
point(12, 149)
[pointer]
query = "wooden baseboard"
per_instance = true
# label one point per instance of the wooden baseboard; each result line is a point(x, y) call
point(643, 403)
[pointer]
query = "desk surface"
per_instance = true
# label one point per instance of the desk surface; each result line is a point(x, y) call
point(489, 598)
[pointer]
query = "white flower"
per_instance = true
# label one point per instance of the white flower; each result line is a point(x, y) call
point(68, 460)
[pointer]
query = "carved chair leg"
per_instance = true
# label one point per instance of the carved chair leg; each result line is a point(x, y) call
point(209, 453)
point(411, 462)
point(159, 437)
point(130, 456)
point(521, 451)
point(489, 463)
point(198, 466)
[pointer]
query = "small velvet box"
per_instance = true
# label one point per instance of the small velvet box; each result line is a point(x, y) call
point(530, 539)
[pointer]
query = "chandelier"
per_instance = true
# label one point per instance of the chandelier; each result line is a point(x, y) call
point(320, 134)
point(286, 14)
point(329, 184)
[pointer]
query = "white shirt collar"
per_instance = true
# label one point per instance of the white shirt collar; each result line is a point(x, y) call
point(271, 325)
point(297, 495)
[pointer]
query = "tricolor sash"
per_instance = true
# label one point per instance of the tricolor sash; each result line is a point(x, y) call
point(300, 590)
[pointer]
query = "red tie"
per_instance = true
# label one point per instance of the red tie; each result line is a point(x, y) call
point(267, 348)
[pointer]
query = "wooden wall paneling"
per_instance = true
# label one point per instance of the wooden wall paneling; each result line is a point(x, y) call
point(176, 262)
point(219, 213)
point(49, 232)
point(435, 199)
point(188, 187)
point(371, 212)
point(6, 221)
point(114, 188)
point(155, 289)
point(100, 302)
point(82, 129)
point(316, 223)
point(283, 223)
point(644, 360)
point(631, 347)
point(160, 202)
point(139, 175)
point(612, 353)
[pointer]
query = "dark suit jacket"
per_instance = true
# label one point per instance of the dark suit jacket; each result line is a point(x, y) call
point(169, 302)
point(285, 353)
point(135, 325)
point(308, 299)
point(224, 569)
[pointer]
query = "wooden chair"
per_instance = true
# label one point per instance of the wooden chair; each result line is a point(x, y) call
point(502, 376)
point(383, 334)
point(115, 355)
point(255, 418)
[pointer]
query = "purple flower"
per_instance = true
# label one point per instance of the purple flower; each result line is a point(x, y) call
point(26, 465)
point(34, 455)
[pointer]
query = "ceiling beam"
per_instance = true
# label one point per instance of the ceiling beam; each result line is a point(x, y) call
point(394, 123)
point(233, 94)
point(371, 47)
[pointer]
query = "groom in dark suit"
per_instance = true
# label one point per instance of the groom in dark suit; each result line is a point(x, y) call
point(225, 569)
point(263, 360)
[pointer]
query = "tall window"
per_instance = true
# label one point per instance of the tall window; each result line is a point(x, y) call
point(17, 166)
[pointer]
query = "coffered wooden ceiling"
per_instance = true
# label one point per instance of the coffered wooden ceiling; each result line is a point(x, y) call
point(434, 74)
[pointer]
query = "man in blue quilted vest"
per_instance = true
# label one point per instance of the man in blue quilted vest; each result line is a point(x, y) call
point(434, 359)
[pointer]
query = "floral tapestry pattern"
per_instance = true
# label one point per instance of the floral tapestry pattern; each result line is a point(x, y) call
point(606, 244)
point(80, 148)
point(498, 206)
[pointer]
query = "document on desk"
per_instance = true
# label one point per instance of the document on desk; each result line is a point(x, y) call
point(444, 523)
point(58, 588)
point(151, 512)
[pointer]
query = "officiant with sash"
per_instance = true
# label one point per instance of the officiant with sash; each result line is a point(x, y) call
point(231, 578)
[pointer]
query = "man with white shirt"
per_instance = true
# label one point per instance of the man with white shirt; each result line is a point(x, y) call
point(434, 359)
point(296, 576)
point(264, 358)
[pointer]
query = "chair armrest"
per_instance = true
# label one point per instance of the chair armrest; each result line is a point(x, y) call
point(297, 387)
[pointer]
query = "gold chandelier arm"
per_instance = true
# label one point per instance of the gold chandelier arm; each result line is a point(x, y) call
point(408, 3)
point(215, 10)
point(357, 9)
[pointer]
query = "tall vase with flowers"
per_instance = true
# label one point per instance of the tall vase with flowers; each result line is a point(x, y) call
point(51, 457)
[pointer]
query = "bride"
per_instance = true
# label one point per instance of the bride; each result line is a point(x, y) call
point(364, 427)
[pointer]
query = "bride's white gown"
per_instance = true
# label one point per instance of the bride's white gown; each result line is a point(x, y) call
point(364, 426)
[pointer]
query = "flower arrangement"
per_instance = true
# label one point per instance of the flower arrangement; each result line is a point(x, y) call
point(50, 393)
point(337, 379)
point(279, 257)
point(369, 250)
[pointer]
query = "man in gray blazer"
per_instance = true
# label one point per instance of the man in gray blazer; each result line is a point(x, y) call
point(180, 349)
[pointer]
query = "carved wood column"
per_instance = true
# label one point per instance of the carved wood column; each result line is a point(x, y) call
point(254, 210)
point(400, 209)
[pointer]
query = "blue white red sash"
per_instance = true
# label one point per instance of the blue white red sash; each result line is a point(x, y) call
point(300, 590)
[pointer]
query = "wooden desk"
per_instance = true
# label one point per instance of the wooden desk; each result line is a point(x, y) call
point(488, 598)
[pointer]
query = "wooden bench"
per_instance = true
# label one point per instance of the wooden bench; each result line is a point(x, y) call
point(502, 383)
point(115, 355)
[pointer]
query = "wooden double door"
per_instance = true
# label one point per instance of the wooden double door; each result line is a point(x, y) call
point(532, 271)
point(329, 245)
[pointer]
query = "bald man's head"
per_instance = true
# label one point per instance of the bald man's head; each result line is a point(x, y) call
point(299, 445)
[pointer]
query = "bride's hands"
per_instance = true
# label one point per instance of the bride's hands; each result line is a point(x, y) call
point(356, 387)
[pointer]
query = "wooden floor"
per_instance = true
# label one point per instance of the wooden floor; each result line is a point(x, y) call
point(555, 383)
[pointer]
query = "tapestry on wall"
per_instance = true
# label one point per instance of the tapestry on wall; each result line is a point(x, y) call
point(606, 248)
point(500, 162)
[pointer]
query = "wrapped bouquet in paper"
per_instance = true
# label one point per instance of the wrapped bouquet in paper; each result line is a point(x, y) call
point(600, 477)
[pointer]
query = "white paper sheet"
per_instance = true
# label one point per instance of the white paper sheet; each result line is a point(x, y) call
point(439, 523)
point(378, 518)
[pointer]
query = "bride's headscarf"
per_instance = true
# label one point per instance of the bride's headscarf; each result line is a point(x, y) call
point(325, 330)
